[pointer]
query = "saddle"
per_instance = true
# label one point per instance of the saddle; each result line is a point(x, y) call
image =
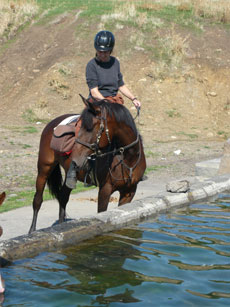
point(63, 137)
point(113, 99)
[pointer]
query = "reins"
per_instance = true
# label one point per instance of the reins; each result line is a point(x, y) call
point(138, 113)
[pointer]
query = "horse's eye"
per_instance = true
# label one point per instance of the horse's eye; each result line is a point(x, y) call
point(92, 112)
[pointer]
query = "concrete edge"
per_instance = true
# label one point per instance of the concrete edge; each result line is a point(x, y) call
point(72, 232)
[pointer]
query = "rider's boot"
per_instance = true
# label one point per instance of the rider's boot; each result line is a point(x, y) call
point(71, 177)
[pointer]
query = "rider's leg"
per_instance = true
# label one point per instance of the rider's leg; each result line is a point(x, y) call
point(71, 176)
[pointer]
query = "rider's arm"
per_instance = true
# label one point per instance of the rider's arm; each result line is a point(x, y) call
point(96, 94)
point(125, 91)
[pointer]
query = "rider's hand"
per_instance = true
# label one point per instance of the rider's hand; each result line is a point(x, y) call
point(137, 103)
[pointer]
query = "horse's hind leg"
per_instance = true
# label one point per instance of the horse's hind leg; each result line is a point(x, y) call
point(38, 197)
point(126, 196)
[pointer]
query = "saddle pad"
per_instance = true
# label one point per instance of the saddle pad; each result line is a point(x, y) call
point(69, 120)
point(64, 135)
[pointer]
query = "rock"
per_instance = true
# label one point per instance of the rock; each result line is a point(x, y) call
point(212, 94)
point(181, 186)
point(224, 167)
point(177, 152)
point(210, 135)
point(139, 48)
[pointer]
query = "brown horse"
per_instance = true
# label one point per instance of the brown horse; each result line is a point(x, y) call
point(108, 152)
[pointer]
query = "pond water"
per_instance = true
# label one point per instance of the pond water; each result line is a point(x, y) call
point(177, 259)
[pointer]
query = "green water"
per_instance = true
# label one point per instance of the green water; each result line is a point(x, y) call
point(178, 259)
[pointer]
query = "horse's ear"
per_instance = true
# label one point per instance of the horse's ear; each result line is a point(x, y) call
point(90, 105)
point(84, 100)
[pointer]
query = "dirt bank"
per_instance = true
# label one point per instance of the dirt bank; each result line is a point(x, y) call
point(184, 117)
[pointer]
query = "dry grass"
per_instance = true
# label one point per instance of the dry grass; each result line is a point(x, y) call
point(128, 12)
point(217, 10)
point(172, 53)
point(174, 47)
point(14, 14)
point(170, 50)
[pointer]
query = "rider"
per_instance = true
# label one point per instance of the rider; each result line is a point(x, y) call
point(105, 80)
point(103, 74)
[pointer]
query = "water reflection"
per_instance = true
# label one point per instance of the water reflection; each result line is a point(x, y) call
point(98, 266)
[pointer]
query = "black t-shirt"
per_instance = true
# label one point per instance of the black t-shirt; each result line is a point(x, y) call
point(104, 75)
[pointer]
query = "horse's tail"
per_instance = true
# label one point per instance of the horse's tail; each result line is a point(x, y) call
point(55, 181)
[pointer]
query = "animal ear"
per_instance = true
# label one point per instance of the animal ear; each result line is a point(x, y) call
point(86, 102)
point(93, 108)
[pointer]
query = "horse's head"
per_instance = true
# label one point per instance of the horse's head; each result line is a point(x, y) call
point(96, 132)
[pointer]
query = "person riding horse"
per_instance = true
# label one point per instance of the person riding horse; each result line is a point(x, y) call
point(105, 80)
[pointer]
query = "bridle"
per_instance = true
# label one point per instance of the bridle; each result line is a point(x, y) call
point(95, 146)
point(97, 151)
point(103, 127)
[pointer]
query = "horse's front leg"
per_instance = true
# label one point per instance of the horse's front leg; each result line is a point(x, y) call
point(127, 195)
point(103, 197)
point(63, 199)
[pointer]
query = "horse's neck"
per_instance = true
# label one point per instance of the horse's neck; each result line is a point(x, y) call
point(126, 136)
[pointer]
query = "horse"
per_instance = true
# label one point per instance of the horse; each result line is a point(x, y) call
point(108, 152)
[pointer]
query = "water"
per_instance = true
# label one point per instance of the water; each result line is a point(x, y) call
point(178, 259)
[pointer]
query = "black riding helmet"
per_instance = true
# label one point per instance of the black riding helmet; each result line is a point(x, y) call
point(104, 41)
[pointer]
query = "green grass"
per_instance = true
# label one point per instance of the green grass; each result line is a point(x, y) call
point(150, 153)
point(22, 199)
point(30, 129)
point(154, 168)
point(22, 130)
point(31, 117)
point(25, 146)
point(95, 8)
point(189, 135)
point(89, 8)
point(184, 18)
point(223, 133)
point(173, 113)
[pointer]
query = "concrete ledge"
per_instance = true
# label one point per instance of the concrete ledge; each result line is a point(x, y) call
point(75, 231)
point(208, 168)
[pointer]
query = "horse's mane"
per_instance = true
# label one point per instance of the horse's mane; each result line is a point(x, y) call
point(120, 112)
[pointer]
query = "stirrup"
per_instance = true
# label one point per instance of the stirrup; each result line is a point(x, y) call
point(71, 177)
